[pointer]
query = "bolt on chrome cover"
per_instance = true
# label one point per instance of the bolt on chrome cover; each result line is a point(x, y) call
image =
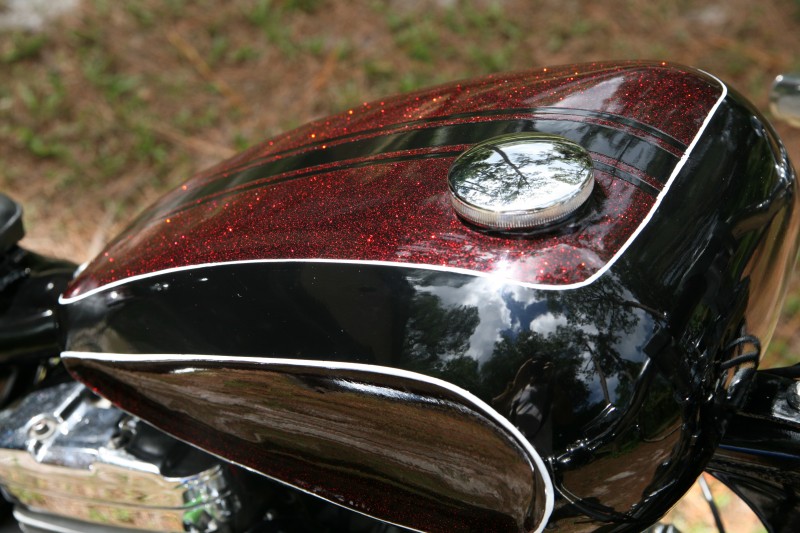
point(520, 181)
point(41, 427)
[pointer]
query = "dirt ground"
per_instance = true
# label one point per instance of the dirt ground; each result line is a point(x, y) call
point(109, 104)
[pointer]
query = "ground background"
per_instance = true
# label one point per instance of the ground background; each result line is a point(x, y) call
point(111, 103)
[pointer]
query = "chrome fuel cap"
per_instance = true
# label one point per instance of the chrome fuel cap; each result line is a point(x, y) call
point(520, 181)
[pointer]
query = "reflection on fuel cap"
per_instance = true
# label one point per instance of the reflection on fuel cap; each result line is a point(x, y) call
point(520, 181)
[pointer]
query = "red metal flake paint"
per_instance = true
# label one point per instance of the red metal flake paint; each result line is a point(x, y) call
point(370, 184)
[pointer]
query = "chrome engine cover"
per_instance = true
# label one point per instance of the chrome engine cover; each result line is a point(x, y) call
point(70, 457)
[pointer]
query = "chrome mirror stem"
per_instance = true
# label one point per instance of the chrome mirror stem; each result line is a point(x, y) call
point(785, 98)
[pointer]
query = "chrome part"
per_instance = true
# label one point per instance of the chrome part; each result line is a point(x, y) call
point(41, 427)
point(662, 528)
point(793, 395)
point(520, 181)
point(785, 98)
point(64, 453)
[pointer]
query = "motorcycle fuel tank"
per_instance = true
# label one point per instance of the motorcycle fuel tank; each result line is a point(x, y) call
point(317, 310)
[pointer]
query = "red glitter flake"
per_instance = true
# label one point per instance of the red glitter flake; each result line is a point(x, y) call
point(394, 206)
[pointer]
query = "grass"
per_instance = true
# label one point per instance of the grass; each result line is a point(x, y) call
point(22, 46)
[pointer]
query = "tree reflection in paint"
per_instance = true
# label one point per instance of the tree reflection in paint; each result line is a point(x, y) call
point(570, 369)
point(557, 359)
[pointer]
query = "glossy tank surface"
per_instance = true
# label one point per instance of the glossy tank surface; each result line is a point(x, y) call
point(370, 184)
point(621, 376)
point(394, 445)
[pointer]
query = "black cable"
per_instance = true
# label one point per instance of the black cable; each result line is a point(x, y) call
point(711, 503)
point(747, 357)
